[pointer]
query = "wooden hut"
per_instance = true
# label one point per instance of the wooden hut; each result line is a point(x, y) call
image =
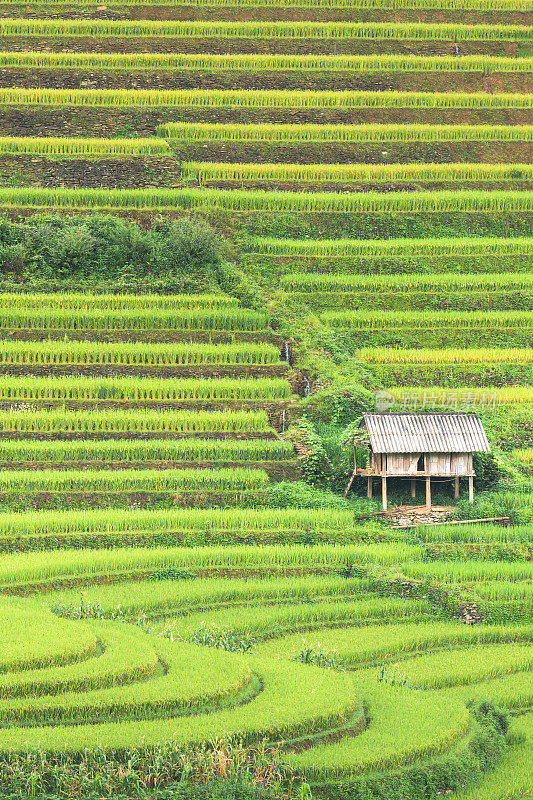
point(422, 446)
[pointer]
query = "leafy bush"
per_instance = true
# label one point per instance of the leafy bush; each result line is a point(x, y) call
point(171, 573)
point(101, 248)
point(316, 467)
point(487, 470)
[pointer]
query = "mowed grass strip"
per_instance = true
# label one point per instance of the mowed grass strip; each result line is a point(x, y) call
point(270, 99)
point(251, 62)
point(248, 201)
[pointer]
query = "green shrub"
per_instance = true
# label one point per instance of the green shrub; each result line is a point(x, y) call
point(104, 248)
point(316, 467)
point(487, 470)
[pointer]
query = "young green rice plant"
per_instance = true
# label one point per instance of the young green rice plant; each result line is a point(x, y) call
point(126, 657)
point(140, 390)
point(276, 621)
point(406, 726)
point(293, 701)
point(262, 30)
point(29, 451)
point(490, 320)
point(270, 134)
point(273, 99)
point(32, 639)
point(131, 319)
point(76, 148)
point(392, 248)
point(414, 282)
point(131, 423)
point(210, 599)
point(511, 691)
point(80, 567)
point(245, 520)
point(208, 172)
point(68, 301)
point(272, 202)
point(151, 480)
point(209, 682)
point(470, 572)
point(449, 668)
point(243, 62)
point(384, 355)
point(366, 645)
point(504, 591)
point(133, 354)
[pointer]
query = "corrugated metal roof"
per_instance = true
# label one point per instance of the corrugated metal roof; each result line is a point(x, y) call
point(426, 433)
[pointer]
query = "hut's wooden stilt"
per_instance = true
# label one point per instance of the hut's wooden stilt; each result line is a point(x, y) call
point(384, 492)
point(369, 487)
point(413, 487)
point(456, 487)
point(428, 493)
point(470, 489)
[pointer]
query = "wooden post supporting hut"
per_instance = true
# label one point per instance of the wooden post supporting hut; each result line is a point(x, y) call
point(421, 446)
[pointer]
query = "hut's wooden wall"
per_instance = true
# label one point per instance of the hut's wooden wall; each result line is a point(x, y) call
point(437, 464)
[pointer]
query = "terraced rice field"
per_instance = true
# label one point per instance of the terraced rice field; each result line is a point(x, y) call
point(166, 593)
